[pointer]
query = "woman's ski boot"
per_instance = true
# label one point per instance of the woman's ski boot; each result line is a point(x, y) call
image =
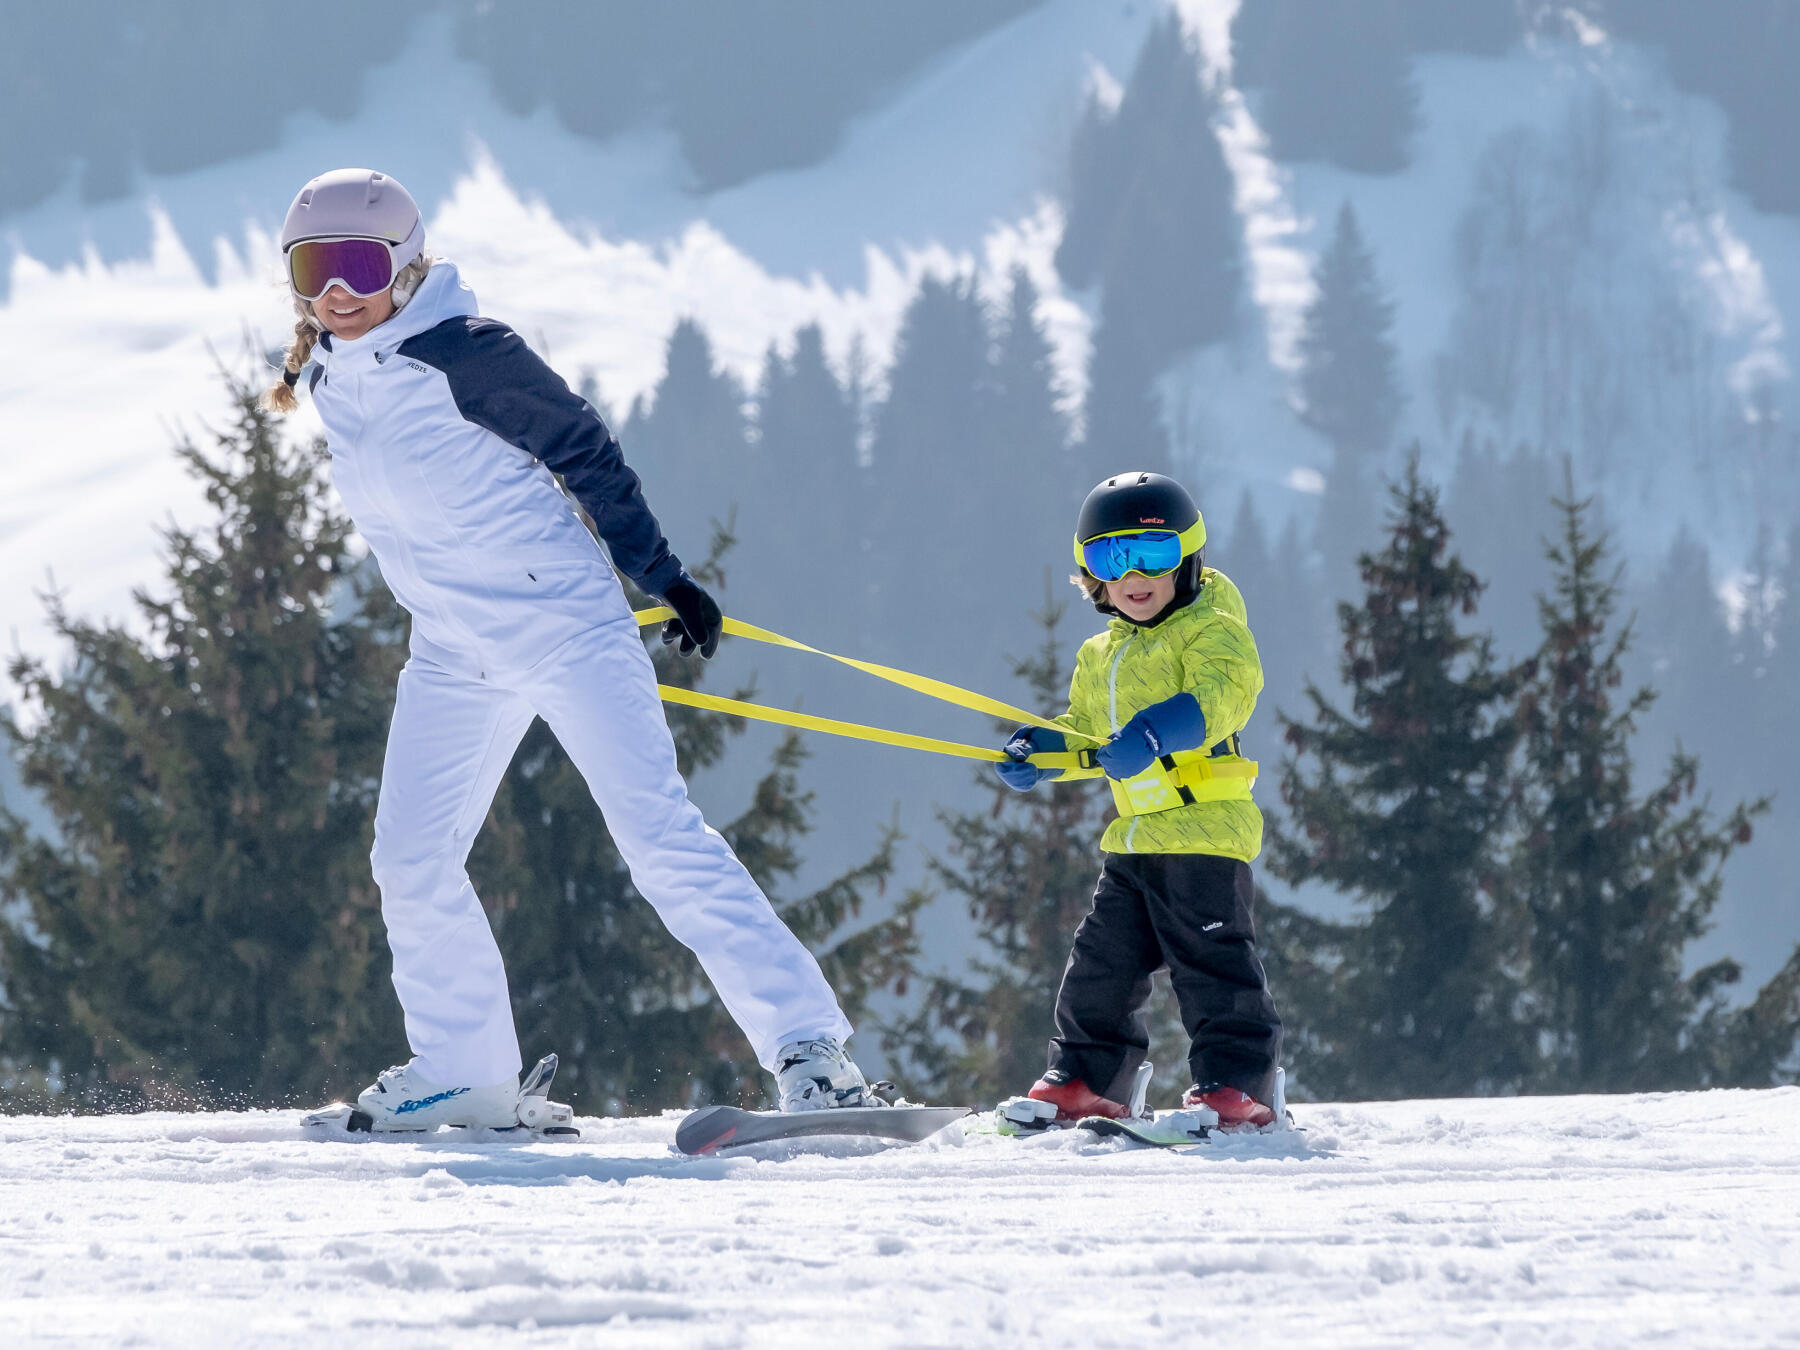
point(400, 1101)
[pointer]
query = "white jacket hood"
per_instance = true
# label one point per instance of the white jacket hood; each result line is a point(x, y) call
point(442, 295)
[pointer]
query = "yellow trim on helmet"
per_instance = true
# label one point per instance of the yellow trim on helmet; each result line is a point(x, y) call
point(1193, 539)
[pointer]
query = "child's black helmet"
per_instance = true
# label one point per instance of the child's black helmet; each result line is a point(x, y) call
point(1128, 503)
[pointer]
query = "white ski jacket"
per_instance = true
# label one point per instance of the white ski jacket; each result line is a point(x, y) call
point(444, 429)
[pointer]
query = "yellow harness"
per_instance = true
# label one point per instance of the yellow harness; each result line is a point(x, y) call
point(1180, 779)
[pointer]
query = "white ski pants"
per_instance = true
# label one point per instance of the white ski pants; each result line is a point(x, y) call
point(452, 738)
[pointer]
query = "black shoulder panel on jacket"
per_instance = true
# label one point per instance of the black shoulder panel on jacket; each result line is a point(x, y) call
point(312, 385)
point(500, 384)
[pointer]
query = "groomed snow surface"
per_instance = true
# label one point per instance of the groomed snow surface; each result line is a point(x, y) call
point(1593, 1221)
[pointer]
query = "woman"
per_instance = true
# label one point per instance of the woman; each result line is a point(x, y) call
point(444, 430)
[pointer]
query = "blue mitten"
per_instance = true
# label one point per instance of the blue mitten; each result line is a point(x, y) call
point(1161, 729)
point(1021, 776)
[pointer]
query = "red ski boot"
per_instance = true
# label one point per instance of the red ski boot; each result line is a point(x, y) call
point(1074, 1099)
point(1234, 1107)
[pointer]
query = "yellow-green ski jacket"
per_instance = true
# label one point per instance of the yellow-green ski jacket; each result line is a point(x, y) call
point(1206, 649)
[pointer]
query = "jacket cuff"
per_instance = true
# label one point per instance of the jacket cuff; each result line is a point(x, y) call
point(658, 580)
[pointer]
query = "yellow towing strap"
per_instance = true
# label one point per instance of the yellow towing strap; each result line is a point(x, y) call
point(923, 684)
point(807, 722)
point(1074, 764)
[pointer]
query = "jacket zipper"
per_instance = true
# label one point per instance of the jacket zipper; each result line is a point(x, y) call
point(1112, 714)
point(1112, 684)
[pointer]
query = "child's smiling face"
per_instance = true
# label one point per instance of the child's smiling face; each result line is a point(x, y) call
point(1140, 597)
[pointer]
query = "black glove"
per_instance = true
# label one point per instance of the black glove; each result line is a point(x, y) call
point(697, 621)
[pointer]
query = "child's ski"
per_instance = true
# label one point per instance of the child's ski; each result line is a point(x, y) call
point(715, 1127)
point(1175, 1130)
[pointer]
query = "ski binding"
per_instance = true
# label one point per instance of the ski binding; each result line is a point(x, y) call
point(1190, 1125)
point(1028, 1115)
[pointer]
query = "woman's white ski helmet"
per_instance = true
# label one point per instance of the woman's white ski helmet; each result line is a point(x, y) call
point(356, 204)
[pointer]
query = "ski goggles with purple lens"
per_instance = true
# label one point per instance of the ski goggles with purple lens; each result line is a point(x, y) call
point(364, 267)
point(1150, 553)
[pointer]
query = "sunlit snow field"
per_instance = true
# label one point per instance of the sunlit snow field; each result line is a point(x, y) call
point(1671, 1220)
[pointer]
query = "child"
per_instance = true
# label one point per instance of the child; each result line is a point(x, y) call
point(1167, 686)
point(444, 430)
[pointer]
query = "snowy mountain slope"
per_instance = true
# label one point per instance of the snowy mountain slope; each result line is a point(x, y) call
point(596, 250)
point(1593, 1221)
point(1637, 269)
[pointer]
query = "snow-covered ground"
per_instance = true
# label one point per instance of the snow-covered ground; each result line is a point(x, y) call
point(1670, 1220)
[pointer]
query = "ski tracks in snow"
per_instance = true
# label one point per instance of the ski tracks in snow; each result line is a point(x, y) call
point(1593, 1221)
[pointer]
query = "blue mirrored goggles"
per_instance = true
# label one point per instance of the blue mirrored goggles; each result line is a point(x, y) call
point(1150, 553)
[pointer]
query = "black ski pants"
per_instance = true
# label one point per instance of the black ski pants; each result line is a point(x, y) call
point(1191, 913)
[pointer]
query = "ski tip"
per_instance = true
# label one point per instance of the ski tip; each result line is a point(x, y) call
point(338, 1117)
point(716, 1143)
point(703, 1131)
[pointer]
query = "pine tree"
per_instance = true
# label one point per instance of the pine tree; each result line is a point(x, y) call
point(1029, 440)
point(809, 494)
point(1348, 385)
point(1347, 358)
point(1347, 524)
point(1099, 170)
point(1686, 649)
point(690, 444)
point(1026, 419)
point(1405, 811)
point(1784, 656)
point(935, 471)
point(1152, 219)
point(1245, 558)
point(1025, 867)
point(200, 926)
point(1499, 508)
point(1756, 708)
point(1618, 887)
